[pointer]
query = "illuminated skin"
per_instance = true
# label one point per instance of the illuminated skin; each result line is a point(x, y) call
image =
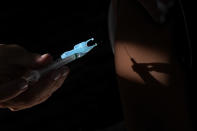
point(80, 48)
point(151, 81)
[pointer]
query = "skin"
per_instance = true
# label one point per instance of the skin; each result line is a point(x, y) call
point(151, 80)
point(15, 93)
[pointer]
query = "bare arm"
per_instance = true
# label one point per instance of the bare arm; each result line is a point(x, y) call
point(151, 82)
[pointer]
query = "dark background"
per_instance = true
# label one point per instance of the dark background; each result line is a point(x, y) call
point(89, 98)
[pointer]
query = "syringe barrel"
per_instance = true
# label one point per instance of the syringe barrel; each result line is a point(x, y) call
point(35, 75)
point(57, 64)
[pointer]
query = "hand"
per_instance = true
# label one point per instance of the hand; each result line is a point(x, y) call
point(15, 93)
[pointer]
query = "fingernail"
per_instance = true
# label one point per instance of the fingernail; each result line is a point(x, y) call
point(44, 55)
point(56, 76)
point(23, 85)
point(12, 109)
point(41, 57)
point(65, 71)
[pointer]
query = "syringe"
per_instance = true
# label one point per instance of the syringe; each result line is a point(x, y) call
point(79, 50)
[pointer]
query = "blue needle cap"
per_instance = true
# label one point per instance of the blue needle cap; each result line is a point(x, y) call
point(81, 49)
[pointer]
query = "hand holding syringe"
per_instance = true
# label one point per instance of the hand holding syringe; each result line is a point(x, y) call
point(79, 50)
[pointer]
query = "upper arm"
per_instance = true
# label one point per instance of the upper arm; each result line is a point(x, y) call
point(140, 38)
point(150, 80)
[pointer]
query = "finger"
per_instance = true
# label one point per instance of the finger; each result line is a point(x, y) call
point(12, 89)
point(44, 59)
point(55, 86)
point(60, 81)
point(39, 92)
